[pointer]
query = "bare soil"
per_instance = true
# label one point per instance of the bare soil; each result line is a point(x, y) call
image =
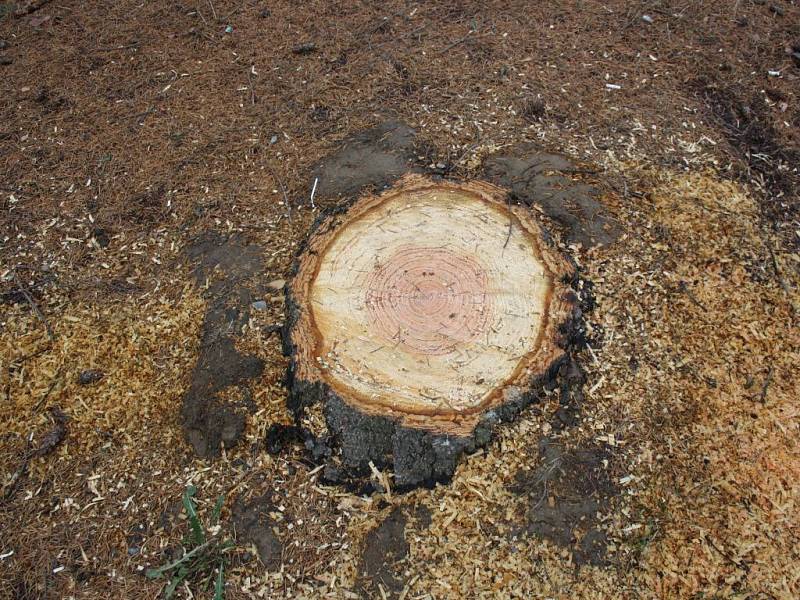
point(231, 265)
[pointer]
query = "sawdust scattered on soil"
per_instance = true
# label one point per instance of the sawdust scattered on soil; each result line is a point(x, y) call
point(129, 130)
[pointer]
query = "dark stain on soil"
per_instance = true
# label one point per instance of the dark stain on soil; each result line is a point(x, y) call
point(566, 492)
point(571, 379)
point(372, 158)
point(536, 177)
point(385, 549)
point(747, 124)
point(228, 265)
point(254, 524)
point(280, 436)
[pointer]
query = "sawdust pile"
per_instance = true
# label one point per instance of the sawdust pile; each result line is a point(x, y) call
point(721, 476)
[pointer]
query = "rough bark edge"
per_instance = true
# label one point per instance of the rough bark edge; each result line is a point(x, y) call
point(417, 455)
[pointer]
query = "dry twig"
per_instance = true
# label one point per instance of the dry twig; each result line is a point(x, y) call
point(35, 307)
point(767, 381)
point(285, 194)
point(49, 442)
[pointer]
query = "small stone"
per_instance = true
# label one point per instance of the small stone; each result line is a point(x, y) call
point(240, 464)
point(259, 305)
point(647, 18)
point(101, 237)
point(3, 44)
point(776, 10)
point(276, 284)
point(319, 450)
point(89, 376)
point(331, 474)
point(306, 48)
point(265, 12)
point(5, 60)
point(133, 551)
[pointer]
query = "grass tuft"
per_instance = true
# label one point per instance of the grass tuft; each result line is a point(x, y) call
point(203, 556)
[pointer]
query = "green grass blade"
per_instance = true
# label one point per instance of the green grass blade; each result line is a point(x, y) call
point(191, 513)
point(155, 573)
point(217, 510)
point(219, 588)
point(176, 581)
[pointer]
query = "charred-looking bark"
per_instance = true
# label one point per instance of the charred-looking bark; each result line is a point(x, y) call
point(421, 318)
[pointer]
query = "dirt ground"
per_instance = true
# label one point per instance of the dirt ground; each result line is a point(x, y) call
point(157, 161)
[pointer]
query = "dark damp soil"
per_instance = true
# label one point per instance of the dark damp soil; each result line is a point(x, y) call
point(230, 267)
point(566, 493)
point(253, 523)
point(373, 158)
point(535, 177)
point(385, 548)
point(376, 157)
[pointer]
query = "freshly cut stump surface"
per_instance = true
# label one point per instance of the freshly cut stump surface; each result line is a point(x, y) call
point(425, 307)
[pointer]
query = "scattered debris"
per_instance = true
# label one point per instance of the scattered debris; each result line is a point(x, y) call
point(55, 436)
point(533, 108)
point(697, 177)
point(49, 442)
point(34, 306)
point(27, 7)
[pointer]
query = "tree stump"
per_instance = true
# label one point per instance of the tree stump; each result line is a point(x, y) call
point(419, 318)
